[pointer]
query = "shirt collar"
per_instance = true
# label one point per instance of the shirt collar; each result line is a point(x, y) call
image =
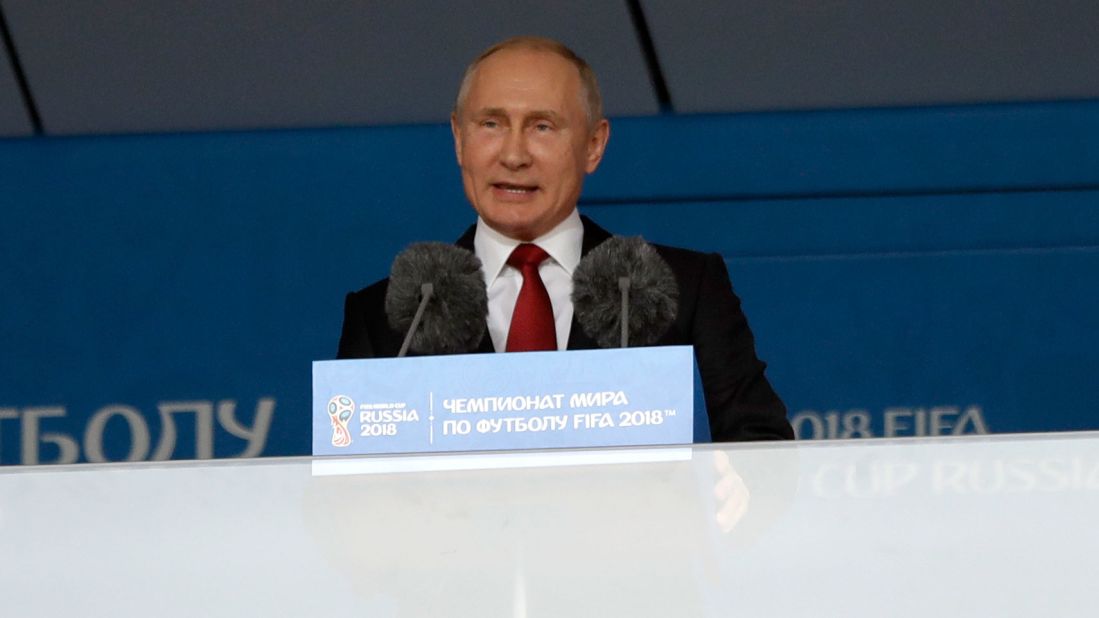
point(562, 243)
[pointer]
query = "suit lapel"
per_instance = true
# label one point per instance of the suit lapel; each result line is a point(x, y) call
point(593, 235)
point(466, 240)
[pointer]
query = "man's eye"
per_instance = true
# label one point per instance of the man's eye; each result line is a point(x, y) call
point(543, 127)
point(489, 124)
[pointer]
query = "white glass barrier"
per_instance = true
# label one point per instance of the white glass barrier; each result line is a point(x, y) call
point(995, 526)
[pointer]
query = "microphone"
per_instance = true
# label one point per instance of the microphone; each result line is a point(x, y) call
point(623, 292)
point(437, 296)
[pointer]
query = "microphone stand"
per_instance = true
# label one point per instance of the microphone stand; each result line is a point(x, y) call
point(624, 285)
point(426, 290)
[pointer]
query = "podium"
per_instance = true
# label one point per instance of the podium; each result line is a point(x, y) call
point(484, 402)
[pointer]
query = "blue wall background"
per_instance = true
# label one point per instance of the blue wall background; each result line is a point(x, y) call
point(932, 269)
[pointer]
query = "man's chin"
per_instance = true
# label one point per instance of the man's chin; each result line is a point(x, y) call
point(520, 228)
point(523, 232)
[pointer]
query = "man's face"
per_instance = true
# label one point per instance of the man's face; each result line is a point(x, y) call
point(524, 142)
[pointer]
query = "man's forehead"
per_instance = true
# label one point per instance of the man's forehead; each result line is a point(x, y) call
point(526, 66)
point(528, 79)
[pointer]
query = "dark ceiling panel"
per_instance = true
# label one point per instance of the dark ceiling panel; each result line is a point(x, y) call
point(137, 66)
point(762, 55)
point(14, 120)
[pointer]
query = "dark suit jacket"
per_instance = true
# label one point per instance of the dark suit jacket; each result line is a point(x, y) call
point(740, 402)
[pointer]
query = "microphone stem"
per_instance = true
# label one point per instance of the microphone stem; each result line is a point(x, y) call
point(624, 285)
point(426, 290)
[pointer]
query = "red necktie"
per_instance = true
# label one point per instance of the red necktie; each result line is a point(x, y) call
point(532, 326)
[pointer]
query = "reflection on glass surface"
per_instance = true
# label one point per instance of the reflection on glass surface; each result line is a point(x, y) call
point(957, 527)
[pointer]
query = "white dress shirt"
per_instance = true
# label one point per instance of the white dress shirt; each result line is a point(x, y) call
point(503, 282)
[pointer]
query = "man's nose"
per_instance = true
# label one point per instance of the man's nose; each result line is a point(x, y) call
point(515, 154)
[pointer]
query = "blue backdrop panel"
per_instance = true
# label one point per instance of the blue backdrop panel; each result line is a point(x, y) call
point(200, 267)
point(988, 300)
point(831, 227)
point(909, 259)
point(1014, 333)
point(888, 151)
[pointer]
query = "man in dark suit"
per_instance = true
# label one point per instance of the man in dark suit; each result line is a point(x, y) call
point(528, 127)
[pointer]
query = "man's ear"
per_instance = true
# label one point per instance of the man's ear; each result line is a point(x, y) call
point(597, 144)
point(457, 132)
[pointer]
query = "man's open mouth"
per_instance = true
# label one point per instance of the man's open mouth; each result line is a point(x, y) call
point(516, 189)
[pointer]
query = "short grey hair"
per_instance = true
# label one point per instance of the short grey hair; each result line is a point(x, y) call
point(592, 99)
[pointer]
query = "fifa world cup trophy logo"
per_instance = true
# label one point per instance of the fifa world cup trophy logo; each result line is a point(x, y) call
point(340, 409)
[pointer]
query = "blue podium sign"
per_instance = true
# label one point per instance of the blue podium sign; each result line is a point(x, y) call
point(485, 402)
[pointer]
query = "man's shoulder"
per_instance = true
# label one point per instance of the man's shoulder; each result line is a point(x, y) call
point(691, 266)
point(371, 293)
point(680, 255)
point(369, 304)
point(374, 294)
point(366, 332)
point(675, 256)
